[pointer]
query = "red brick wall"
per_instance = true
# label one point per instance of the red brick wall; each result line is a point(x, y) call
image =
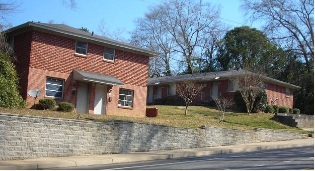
point(273, 91)
point(278, 92)
point(22, 48)
point(54, 56)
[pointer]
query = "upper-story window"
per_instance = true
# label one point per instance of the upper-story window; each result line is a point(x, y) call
point(11, 42)
point(287, 92)
point(81, 48)
point(109, 54)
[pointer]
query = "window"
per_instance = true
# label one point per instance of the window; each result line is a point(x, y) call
point(54, 87)
point(109, 54)
point(125, 98)
point(287, 92)
point(232, 85)
point(81, 48)
point(11, 42)
point(171, 90)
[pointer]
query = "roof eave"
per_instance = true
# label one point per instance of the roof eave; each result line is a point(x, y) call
point(40, 27)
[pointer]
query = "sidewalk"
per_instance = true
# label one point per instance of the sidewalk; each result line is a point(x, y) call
point(53, 162)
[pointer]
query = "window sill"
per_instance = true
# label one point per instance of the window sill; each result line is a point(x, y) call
point(230, 91)
point(51, 97)
point(107, 60)
point(80, 55)
point(125, 107)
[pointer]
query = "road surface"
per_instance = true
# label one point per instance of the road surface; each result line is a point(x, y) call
point(283, 159)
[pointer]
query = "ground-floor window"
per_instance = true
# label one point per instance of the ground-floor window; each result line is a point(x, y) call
point(54, 87)
point(125, 98)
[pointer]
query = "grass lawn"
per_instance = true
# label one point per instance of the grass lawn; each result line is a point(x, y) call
point(174, 116)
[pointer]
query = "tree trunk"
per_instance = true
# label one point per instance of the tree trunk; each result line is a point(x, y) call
point(186, 109)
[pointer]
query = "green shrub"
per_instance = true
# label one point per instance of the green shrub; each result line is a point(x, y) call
point(47, 104)
point(275, 109)
point(259, 104)
point(290, 110)
point(9, 94)
point(65, 107)
point(159, 101)
point(238, 99)
point(269, 109)
point(296, 111)
point(283, 109)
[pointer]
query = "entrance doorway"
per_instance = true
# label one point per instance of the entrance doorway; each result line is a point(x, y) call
point(100, 99)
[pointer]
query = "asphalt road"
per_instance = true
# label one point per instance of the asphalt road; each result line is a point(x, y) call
point(283, 159)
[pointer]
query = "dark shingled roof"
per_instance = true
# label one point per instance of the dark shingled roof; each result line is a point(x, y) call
point(95, 77)
point(67, 31)
point(211, 76)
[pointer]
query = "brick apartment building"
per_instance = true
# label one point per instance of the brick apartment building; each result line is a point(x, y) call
point(219, 84)
point(98, 75)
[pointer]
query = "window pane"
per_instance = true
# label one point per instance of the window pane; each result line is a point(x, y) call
point(125, 98)
point(109, 53)
point(54, 87)
point(81, 48)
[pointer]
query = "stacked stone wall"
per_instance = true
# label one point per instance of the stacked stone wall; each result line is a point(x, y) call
point(23, 137)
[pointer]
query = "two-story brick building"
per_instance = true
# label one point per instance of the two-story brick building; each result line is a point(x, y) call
point(220, 84)
point(98, 75)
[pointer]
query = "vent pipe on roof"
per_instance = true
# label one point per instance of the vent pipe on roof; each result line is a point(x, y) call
point(92, 33)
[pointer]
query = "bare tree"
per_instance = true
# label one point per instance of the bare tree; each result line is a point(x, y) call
point(188, 91)
point(70, 3)
point(149, 34)
point(222, 104)
point(250, 86)
point(181, 28)
point(288, 22)
point(116, 35)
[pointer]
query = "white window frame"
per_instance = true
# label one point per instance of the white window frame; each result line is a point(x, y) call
point(81, 48)
point(287, 92)
point(107, 54)
point(48, 82)
point(171, 90)
point(125, 98)
point(232, 86)
point(11, 42)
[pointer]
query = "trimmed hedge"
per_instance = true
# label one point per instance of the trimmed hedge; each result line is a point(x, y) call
point(170, 100)
point(283, 109)
point(269, 109)
point(65, 107)
point(296, 111)
point(275, 109)
point(47, 104)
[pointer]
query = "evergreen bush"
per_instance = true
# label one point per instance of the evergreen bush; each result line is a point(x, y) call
point(9, 94)
point(269, 109)
point(259, 104)
point(47, 104)
point(296, 111)
point(275, 109)
point(290, 110)
point(283, 109)
point(65, 107)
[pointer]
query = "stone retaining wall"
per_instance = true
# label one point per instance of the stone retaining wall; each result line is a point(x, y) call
point(23, 137)
point(296, 120)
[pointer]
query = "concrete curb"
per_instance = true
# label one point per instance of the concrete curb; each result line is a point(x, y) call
point(73, 161)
